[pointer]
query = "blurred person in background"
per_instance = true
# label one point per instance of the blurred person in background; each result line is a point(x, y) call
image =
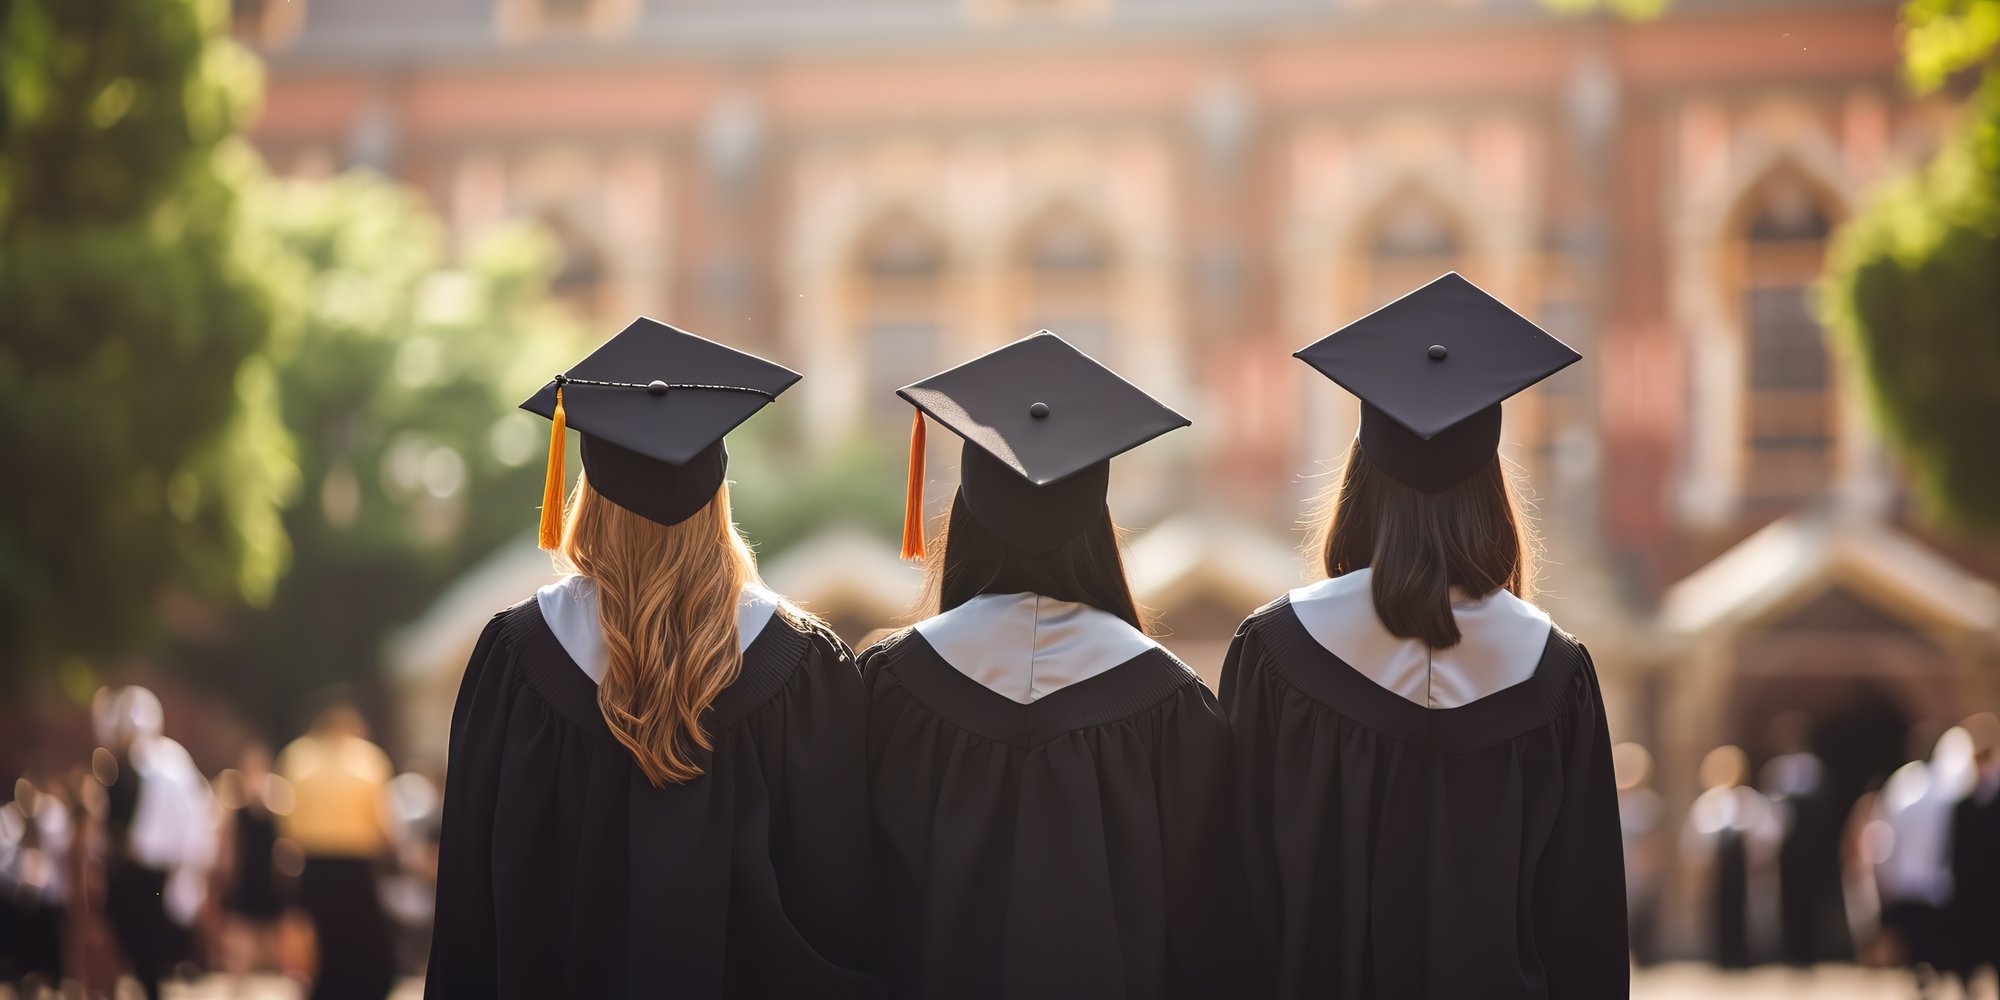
point(1812, 921)
point(1730, 841)
point(654, 784)
point(158, 834)
point(410, 893)
point(34, 854)
point(1975, 855)
point(1641, 820)
point(338, 779)
point(1431, 808)
point(1865, 842)
point(252, 899)
point(1914, 875)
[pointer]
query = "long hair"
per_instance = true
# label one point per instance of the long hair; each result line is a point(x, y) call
point(1087, 569)
point(666, 603)
point(1474, 538)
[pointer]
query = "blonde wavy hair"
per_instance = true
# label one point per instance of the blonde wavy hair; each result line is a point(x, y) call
point(666, 603)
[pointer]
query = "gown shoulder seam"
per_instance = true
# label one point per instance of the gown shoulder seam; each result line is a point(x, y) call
point(1298, 661)
point(1134, 687)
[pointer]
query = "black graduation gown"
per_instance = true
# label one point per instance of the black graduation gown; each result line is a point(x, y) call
point(1975, 872)
point(563, 873)
point(1812, 910)
point(1071, 847)
point(1398, 851)
point(1729, 900)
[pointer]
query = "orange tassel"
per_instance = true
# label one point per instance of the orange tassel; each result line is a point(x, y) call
point(913, 495)
point(552, 484)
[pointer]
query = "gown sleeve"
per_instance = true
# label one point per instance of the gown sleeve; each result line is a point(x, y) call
point(820, 832)
point(1580, 890)
point(463, 959)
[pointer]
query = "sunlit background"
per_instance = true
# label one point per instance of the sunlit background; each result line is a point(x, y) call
point(267, 324)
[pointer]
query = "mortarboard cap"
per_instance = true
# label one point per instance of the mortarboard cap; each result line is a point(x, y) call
point(652, 405)
point(1431, 370)
point(1041, 423)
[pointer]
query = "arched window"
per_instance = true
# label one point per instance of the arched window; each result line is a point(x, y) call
point(266, 23)
point(1064, 267)
point(1789, 428)
point(565, 14)
point(1408, 241)
point(579, 266)
point(529, 18)
point(899, 290)
point(1552, 422)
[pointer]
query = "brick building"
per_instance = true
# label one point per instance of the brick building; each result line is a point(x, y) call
point(870, 190)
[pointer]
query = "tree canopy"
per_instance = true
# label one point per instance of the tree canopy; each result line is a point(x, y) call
point(399, 387)
point(1912, 287)
point(141, 435)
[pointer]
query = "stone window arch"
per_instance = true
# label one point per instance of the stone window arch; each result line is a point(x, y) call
point(581, 275)
point(268, 24)
point(897, 279)
point(1063, 268)
point(1410, 238)
point(557, 18)
point(1789, 439)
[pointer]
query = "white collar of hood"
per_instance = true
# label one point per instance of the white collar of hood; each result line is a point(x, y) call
point(569, 605)
point(1504, 637)
point(1026, 646)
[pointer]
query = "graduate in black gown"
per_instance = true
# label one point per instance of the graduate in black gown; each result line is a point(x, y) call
point(655, 783)
point(1975, 854)
point(1812, 911)
point(1427, 798)
point(1047, 780)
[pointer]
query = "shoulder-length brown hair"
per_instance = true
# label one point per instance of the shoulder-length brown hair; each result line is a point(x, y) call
point(1473, 538)
point(666, 603)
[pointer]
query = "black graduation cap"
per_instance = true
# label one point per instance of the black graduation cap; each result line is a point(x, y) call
point(1431, 369)
point(652, 404)
point(1041, 423)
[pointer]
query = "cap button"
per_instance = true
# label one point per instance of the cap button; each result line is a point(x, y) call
point(1038, 410)
point(657, 387)
point(1437, 352)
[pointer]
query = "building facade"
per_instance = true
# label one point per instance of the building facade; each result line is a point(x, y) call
point(870, 190)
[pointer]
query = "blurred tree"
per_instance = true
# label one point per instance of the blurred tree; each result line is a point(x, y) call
point(1912, 287)
point(1636, 10)
point(138, 419)
point(399, 387)
point(787, 496)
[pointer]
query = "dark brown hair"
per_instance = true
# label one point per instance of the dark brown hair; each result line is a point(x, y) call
point(973, 560)
point(1472, 537)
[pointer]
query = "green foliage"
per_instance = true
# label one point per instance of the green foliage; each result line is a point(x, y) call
point(1910, 285)
point(784, 497)
point(1912, 289)
point(1632, 10)
point(399, 386)
point(1945, 37)
point(139, 421)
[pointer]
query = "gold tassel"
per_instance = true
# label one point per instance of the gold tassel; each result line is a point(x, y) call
point(913, 494)
point(552, 484)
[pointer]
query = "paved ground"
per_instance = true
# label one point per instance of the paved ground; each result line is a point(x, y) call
point(1669, 982)
point(1699, 982)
